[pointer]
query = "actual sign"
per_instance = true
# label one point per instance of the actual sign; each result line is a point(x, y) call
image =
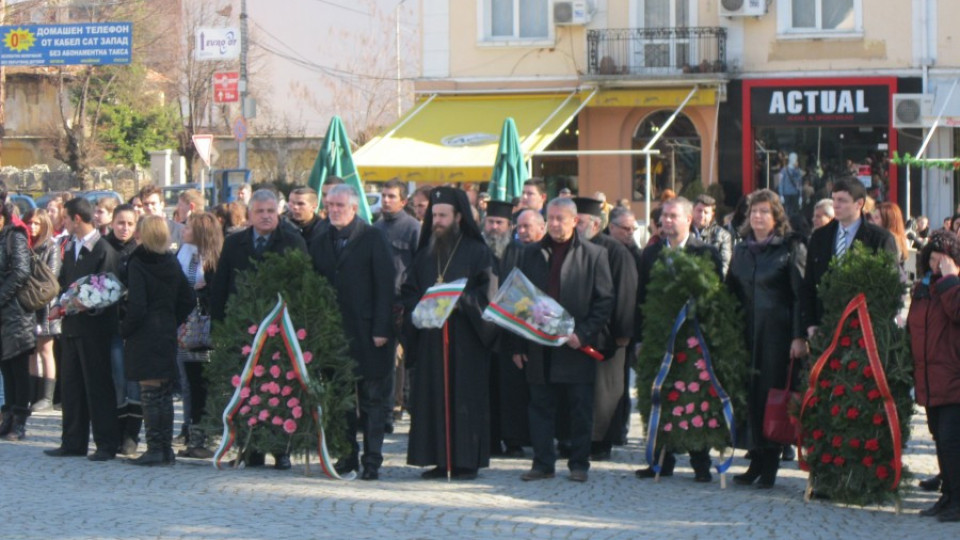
point(226, 87)
point(821, 105)
point(66, 44)
point(217, 44)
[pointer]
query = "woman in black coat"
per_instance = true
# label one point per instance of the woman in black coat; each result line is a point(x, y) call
point(129, 412)
point(766, 274)
point(18, 337)
point(158, 301)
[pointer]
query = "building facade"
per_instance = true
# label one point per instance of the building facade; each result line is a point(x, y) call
point(719, 91)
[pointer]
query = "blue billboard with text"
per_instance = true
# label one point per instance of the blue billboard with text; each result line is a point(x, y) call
point(66, 44)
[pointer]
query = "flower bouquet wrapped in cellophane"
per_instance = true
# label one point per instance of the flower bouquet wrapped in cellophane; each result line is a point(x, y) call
point(95, 291)
point(437, 303)
point(520, 307)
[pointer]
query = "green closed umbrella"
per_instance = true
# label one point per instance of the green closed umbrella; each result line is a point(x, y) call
point(335, 159)
point(509, 170)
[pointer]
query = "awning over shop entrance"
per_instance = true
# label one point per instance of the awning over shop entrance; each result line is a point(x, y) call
point(454, 138)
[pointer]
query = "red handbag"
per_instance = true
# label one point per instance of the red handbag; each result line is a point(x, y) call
point(779, 425)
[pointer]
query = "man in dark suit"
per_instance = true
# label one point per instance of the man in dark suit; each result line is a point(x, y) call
point(86, 381)
point(262, 236)
point(239, 251)
point(356, 259)
point(675, 221)
point(575, 273)
point(835, 239)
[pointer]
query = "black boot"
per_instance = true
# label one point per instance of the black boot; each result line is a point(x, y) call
point(753, 471)
point(36, 388)
point(45, 399)
point(196, 444)
point(152, 400)
point(130, 426)
point(6, 424)
point(167, 426)
point(769, 467)
point(18, 429)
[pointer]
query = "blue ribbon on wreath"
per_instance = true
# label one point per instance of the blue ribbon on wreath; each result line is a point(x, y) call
point(656, 402)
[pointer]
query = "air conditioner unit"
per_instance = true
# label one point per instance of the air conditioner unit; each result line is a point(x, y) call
point(909, 110)
point(743, 8)
point(574, 13)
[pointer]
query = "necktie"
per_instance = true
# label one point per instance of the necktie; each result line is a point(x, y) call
point(841, 243)
point(259, 244)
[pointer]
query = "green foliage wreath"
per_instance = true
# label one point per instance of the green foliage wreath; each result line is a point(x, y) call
point(847, 443)
point(676, 277)
point(312, 305)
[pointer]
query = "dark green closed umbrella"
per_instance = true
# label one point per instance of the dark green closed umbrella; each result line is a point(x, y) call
point(335, 159)
point(510, 169)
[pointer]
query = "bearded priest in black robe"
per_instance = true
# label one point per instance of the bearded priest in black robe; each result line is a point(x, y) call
point(451, 247)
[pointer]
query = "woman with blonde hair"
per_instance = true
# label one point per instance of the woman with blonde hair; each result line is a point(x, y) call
point(198, 256)
point(158, 301)
point(43, 366)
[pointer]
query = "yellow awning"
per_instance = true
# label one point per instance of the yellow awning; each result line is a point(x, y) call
point(454, 139)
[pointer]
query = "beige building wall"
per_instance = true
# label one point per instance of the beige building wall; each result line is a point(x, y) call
point(472, 57)
point(886, 42)
point(948, 33)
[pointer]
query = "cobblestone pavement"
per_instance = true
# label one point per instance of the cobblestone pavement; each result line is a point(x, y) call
point(46, 497)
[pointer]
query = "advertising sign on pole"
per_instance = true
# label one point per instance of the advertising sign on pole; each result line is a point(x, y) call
point(66, 44)
point(226, 87)
point(217, 44)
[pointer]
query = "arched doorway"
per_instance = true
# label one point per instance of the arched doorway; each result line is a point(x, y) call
point(678, 163)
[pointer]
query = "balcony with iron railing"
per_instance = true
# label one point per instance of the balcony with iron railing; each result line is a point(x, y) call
point(656, 52)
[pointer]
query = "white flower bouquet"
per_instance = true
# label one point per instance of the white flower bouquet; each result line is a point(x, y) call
point(94, 291)
point(437, 304)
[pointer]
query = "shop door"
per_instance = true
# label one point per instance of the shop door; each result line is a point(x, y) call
point(678, 163)
point(660, 47)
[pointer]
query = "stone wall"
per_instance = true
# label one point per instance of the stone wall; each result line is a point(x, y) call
point(42, 178)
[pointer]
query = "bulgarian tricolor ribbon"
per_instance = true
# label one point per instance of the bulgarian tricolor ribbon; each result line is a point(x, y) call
point(657, 404)
point(281, 316)
point(859, 306)
point(421, 313)
point(523, 328)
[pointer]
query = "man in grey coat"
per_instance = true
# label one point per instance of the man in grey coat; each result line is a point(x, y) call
point(402, 231)
point(576, 273)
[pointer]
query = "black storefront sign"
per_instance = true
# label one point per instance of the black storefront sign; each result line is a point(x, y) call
point(860, 105)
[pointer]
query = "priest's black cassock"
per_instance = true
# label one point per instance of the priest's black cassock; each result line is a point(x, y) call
point(469, 340)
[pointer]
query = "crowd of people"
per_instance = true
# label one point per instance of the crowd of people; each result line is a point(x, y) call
point(472, 390)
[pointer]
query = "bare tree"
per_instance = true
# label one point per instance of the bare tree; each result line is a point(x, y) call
point(82, 90)
point(358, 72)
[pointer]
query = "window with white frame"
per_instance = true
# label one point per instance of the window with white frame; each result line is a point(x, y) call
point(820, 16)
point(516, 20)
